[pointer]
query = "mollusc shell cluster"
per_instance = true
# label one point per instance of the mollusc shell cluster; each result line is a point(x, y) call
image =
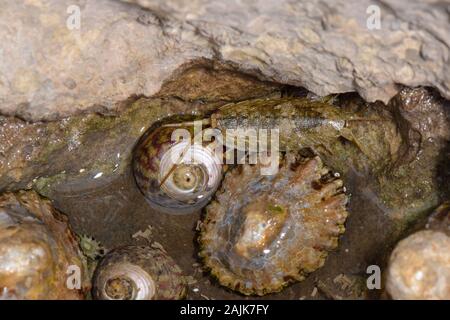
point(263, 232)
point(37, 249)
point(138, 273)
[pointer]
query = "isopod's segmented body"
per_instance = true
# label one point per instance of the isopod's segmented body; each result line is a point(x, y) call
point(287, 114)
point(341, 136)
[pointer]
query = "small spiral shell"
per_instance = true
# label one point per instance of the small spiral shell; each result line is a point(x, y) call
point(138, 273)
point(176, 177)
point(263, 232)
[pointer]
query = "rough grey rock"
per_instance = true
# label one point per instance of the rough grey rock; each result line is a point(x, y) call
point(49, 71)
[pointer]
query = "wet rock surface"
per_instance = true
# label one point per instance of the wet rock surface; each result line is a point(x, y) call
point(74, 102)
point(82, 163)
point(49, 70)
point(94, 144)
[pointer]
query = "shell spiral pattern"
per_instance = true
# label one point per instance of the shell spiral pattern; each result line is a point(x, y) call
point(138, 273)
point(175, 177)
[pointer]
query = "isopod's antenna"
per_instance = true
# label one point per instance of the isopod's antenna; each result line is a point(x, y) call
point(209, 122)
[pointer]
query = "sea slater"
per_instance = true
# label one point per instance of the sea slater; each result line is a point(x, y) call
point(181, 175)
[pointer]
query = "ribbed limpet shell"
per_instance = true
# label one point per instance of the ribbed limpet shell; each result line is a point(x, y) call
point(39, 254)
point(264, 232)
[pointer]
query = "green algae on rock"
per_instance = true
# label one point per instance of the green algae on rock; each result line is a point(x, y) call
point(391, 148)
point(79, 146)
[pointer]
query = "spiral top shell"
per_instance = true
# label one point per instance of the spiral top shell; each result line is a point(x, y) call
point(263, 232)
point(175, 176)
point(138, 273)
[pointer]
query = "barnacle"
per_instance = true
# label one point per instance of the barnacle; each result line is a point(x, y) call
point(91, 248)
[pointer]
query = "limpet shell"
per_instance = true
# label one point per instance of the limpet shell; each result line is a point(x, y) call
point(39, 254)
point(264, 232)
